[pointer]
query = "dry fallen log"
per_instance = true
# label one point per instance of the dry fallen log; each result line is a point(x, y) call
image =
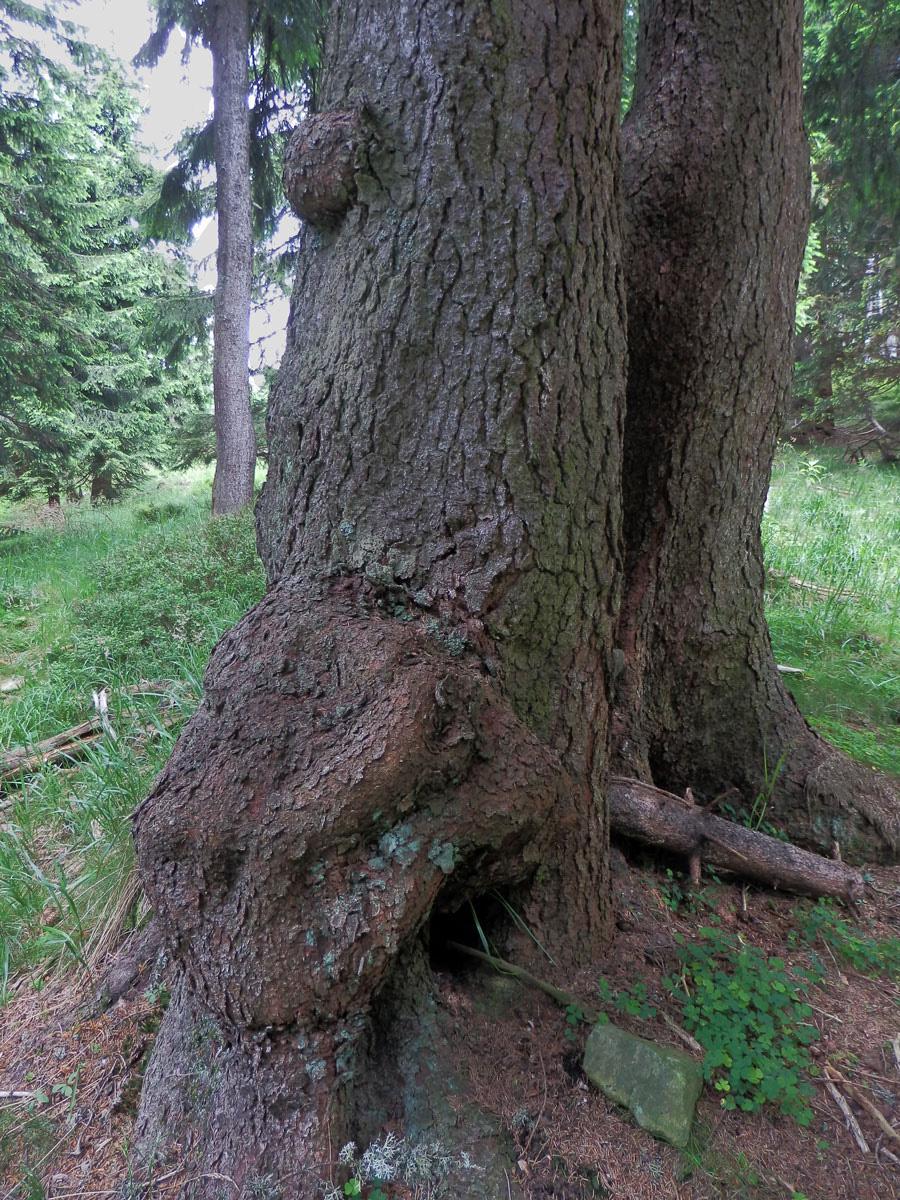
point(63, 745)
point(649, 814)
point(74, 742)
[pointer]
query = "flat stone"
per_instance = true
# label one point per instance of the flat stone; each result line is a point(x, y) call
point(659, 1084)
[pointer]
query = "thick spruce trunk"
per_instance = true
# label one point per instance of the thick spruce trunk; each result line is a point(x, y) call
point(716, 183)
point(229, 40)
point(418, 710)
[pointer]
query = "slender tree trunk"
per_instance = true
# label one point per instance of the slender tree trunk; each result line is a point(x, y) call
point(717, 193)
point(229, 40)
point(418, 710)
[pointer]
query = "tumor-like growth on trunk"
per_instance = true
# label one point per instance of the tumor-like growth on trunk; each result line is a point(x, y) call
point(320, 166)
point(385, 777)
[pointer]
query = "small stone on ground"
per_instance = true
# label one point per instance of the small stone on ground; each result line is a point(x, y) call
point(659, 1084)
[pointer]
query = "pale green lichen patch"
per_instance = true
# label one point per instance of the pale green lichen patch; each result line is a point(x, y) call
point(400, 845)
point(444, 856)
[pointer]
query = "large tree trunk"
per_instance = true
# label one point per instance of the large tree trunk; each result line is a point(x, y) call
point(716, 187)
point(229, 40)
point(418, 709)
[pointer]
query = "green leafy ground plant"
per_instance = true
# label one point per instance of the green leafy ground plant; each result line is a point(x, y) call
point(822, 923)
point(749, 1014)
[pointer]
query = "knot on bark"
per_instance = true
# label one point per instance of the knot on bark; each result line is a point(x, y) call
point(320, 166)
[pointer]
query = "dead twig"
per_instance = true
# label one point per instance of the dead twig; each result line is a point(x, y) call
point(852, 1123)
point(683, 1034)
point(566, 999)
point(895, 1046)
point(858, 1094)
point(540, 1115)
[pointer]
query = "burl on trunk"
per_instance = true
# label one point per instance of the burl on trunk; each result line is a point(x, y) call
point(418, 709)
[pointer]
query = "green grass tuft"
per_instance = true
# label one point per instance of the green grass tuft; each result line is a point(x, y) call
point(107, 598)
point(832, 542)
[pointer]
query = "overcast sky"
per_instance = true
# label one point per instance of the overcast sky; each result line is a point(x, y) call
point(174, 94)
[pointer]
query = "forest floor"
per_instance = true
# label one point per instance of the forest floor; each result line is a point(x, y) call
point(70, 1074)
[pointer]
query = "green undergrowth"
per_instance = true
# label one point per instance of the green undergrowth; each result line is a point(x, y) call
point(747, 1011)
point(749, 1014)
point(130, 598)
point(822, 925)
point(832, 546)
point(112, 596)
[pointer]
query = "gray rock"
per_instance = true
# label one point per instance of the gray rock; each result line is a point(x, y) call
point(659, 1084)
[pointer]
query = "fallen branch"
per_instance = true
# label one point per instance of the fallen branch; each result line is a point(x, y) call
point(62, 745)
point(563, 998)
point(821, 590)
point(852, 1123)
point(566, 999)
point(74, 742)
point(649, 814)
point(859, 1095)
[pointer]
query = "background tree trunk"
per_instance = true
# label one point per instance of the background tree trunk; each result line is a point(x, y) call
point(418, 710)
point(229, 39)
point(716, 185)
point(102, 488)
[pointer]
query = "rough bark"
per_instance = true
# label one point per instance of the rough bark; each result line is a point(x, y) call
point(418, 709)
point(229, 39)
point(716, 183)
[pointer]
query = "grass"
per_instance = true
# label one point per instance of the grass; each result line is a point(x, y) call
point(115, 597)
point(832, 543)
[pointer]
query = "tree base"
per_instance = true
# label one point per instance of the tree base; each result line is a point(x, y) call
point(833, 804)
point(242, 1122)
point(760, 754)
point(347, 775)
